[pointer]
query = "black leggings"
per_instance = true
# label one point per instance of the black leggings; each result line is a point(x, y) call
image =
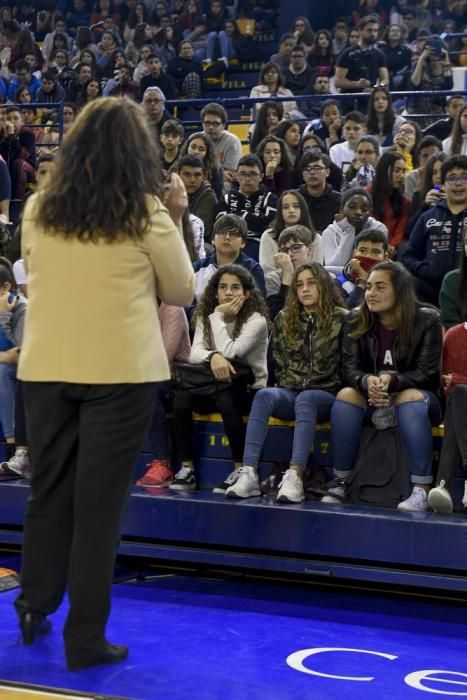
point(231, 403)
point(454, 449)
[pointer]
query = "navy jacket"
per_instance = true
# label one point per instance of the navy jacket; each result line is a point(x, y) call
point(435, 243)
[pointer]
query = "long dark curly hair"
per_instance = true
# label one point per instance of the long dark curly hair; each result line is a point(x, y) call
point(100, 186)
point(329, 298)
point(209, 301)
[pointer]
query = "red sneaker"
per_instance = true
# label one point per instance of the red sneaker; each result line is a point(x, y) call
point(158, 474)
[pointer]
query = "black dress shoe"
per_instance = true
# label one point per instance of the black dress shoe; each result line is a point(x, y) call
point(33, 625)
point(110, 654)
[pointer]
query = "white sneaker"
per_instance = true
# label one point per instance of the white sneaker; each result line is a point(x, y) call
point(246, 486)
point(336, 494)
point(18, 464)
point(416, 502)
point(440, 499)
point(464, 498)
point(291, 488)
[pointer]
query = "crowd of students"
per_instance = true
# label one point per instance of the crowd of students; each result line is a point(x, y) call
point(339, 234)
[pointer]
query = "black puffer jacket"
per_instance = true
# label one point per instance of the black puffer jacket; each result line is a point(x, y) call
point(418, 367)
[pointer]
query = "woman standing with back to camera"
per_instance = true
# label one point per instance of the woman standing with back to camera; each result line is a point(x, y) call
point(99, 247)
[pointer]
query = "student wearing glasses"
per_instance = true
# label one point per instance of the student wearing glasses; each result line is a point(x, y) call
point(227, 146)
point(229, 238)
point(436, 241)
point(323, 202)
point(252, 201)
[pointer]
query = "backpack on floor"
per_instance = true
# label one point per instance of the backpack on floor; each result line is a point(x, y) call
point(381, 475)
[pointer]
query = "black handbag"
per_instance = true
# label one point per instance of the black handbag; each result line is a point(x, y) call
point(200, 381)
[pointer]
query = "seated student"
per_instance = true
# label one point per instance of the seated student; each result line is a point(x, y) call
point(157, 77)
point(12, 315)
point(268, 118)
point(437, 239)
point(252, 201)
point(124, 85)
point(453, 294)
point(343, 154)
point(295, 248)
point(306, 347)
point(201, 145)
point(176, 341)
point(229, 237)
point(428, 146)
point(430, 190)
point(50, 89)
point(202, 201)
point(186, 70)
point(323, 202)
point(275, 157)
point(443, 127)
point(23, 76)
point(227, 146)
point(230, 324)
point(353, 218)
point(390, 205)
point(19, 152)
point(391, 353)
point(291, 210)
point(370, 248)
point(454, 447)
point(329, 126)
point(361, 171)
point(172, 133)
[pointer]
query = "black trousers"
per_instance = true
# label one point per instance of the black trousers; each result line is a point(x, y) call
point(84, 442)
point(454, 448)
point(232, 403)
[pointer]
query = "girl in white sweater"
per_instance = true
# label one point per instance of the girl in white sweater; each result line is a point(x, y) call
point(230, 324)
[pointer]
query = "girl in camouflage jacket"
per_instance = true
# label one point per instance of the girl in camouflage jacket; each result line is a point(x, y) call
point(306, 345)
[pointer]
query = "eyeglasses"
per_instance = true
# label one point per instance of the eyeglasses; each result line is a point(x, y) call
point(294, 248)
point(230, 234)
point(365, 153)
point(410, 132)
point(456, 179)
point(152, 102)
point(213, 124)
point(314, 169)
point(248, 176)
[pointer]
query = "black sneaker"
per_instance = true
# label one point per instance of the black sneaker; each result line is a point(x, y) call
point(229, 481)
point(185, 480)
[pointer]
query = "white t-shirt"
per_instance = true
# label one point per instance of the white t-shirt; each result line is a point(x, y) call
point(342, 155)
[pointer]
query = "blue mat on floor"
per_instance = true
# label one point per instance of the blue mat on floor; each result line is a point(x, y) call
point(235, 640)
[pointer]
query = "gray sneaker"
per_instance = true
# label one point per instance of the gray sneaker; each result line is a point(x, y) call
point(291, 488)
point(440, 499)
point(18, 465)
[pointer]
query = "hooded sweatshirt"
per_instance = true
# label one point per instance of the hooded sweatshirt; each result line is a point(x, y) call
point(435, 243)
point(339, 239)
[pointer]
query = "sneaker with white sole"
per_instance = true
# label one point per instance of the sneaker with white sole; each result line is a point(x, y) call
point(228, 481)
point(158, 475)
point(440, 499)
point(18, 465)
point(417, 502)
point(336, 494)
point(185, 480)
point(246, 486)
point(291, 488)
point(464, 497)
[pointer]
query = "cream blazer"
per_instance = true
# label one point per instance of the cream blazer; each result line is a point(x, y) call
point(92, 314)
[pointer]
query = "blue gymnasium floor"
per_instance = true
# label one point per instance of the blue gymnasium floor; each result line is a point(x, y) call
point(211, 639)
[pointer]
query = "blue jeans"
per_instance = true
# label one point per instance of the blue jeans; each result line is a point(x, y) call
point(7, 398)
point(226, 48)
point(414, 420)
point(159, 429)
point(307, 408)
